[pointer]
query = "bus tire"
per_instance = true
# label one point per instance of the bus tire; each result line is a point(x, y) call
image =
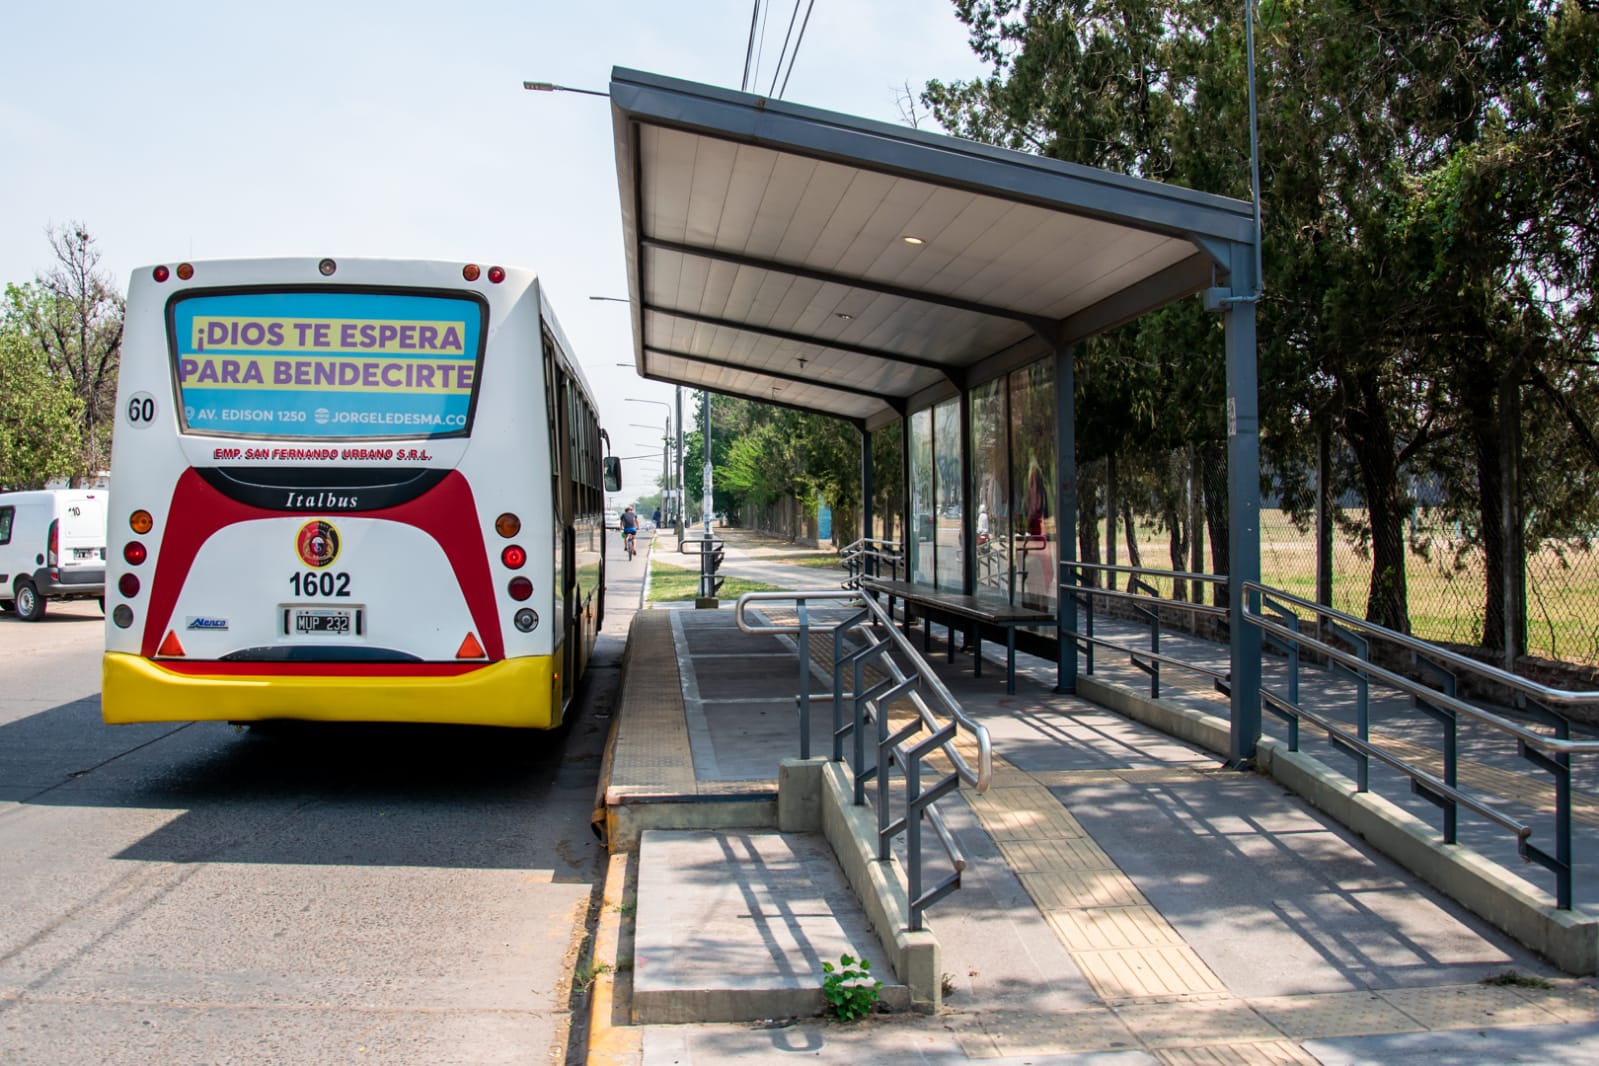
point(30, 605)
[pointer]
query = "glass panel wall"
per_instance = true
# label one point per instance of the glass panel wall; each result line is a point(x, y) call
point(1013, 479)
point(949, 500)
point(920, 452)
point(991, 489)
point(1034, 539)
point(888, 483)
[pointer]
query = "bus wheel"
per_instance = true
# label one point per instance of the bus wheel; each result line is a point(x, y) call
point(30, 605)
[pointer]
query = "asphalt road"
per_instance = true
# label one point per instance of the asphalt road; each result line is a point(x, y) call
point(324, 894)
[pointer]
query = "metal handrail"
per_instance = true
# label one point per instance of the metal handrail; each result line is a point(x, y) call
point(1553, 745)
point(1149, 604)
point(1277, 615)
point(855, 557)
point(983, 775)
point(881, 639)
point(1543, 693)
point(1109, 568)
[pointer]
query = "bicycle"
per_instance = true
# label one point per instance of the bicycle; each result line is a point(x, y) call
point(630, 541)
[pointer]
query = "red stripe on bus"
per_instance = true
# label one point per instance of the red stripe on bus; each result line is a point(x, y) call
point(447, 513)
point(277, 669)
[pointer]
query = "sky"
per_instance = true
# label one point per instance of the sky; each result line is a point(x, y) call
point(215, 130)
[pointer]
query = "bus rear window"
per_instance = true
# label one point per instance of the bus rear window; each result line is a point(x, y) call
point(326, 363)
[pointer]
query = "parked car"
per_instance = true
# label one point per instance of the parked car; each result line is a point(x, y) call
point(52, 547)
point(613, 519)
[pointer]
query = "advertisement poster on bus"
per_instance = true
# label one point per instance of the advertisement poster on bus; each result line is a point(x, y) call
point(327, 364)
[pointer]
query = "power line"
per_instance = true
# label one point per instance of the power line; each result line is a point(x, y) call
point(797, 41)
point(760, 46)
point(749, 49)
point(792, 15)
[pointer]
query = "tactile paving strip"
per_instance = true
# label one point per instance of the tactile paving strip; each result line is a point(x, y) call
point(652, 754)
point(1160, 995)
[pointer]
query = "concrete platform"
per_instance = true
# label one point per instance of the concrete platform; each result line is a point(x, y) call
point(1127, 900)
point(735, 926)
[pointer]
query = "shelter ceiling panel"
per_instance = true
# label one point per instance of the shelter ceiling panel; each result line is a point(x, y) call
point(766, 251)
point(790, 209)
point(742, 348)
point(832, 312)
point(752, 385)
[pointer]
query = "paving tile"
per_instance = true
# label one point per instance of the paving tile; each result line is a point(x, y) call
point(1263, 1053)
point(1196, 1023)
point(999, 1034)
point(1140, 973)
point(1110, 928)
point(1334, 1014)
point(1468, 1006)
point(1570, 1003)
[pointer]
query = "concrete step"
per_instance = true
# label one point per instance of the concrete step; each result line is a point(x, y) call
point(735, 925)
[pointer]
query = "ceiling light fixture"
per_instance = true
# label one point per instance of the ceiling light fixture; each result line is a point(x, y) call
point(843, 315)
point(909, 239)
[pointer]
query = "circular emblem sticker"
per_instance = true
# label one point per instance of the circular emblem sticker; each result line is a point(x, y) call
point(317, 542)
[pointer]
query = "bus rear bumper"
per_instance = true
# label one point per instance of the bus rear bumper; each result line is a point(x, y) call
point(523, 693)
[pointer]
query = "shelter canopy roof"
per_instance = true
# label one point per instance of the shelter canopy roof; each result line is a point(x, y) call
point(861, 269)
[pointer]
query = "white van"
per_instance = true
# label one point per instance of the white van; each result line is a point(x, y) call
point(52, 547)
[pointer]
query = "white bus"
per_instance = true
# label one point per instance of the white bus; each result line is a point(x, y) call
point(352, 490)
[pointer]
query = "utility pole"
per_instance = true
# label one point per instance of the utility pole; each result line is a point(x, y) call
point(677, 469)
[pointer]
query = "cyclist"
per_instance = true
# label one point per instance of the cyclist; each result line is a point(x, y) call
point(630, 530)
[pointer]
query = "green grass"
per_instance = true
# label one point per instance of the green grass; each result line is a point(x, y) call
point(1446, 594)
point(828, 561)
point(670, 583)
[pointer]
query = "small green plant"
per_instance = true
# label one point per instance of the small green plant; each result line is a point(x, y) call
point(850, 992)
point(588, 971)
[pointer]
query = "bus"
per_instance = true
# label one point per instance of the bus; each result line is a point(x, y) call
point(350, 490)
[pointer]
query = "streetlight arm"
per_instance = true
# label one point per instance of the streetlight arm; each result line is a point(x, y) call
point(551, 87)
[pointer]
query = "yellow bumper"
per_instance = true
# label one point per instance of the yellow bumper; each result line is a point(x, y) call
point(522, 692)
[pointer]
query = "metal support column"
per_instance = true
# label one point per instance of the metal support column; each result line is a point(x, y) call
point(1243, 504)
point(967, 510)
point(1066, 521)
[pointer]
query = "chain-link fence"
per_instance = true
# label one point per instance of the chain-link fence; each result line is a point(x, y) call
point(1461, 581)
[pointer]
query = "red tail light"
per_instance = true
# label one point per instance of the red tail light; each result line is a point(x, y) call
point(52, 548)
point(514, 557)
point(133, 552)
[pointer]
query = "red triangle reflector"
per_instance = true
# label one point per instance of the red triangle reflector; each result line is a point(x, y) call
point(170, 646)
point(470, 649)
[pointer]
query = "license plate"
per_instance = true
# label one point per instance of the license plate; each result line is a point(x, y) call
point(86, 553)
point(323, 621)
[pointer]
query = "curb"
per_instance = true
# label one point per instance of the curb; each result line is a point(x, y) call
point(611, 1041)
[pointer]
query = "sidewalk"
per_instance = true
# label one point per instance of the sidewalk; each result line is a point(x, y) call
point(1127, 901)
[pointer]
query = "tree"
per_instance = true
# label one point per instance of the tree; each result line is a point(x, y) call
point(1429, 181)
point(73, 314)
point(40, 417)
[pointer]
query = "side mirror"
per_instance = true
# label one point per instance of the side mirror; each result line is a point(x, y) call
point(613, 474)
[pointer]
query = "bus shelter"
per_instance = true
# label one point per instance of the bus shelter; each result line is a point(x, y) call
point(883, 274)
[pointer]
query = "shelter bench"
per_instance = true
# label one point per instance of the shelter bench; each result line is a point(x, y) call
point(970, 614)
